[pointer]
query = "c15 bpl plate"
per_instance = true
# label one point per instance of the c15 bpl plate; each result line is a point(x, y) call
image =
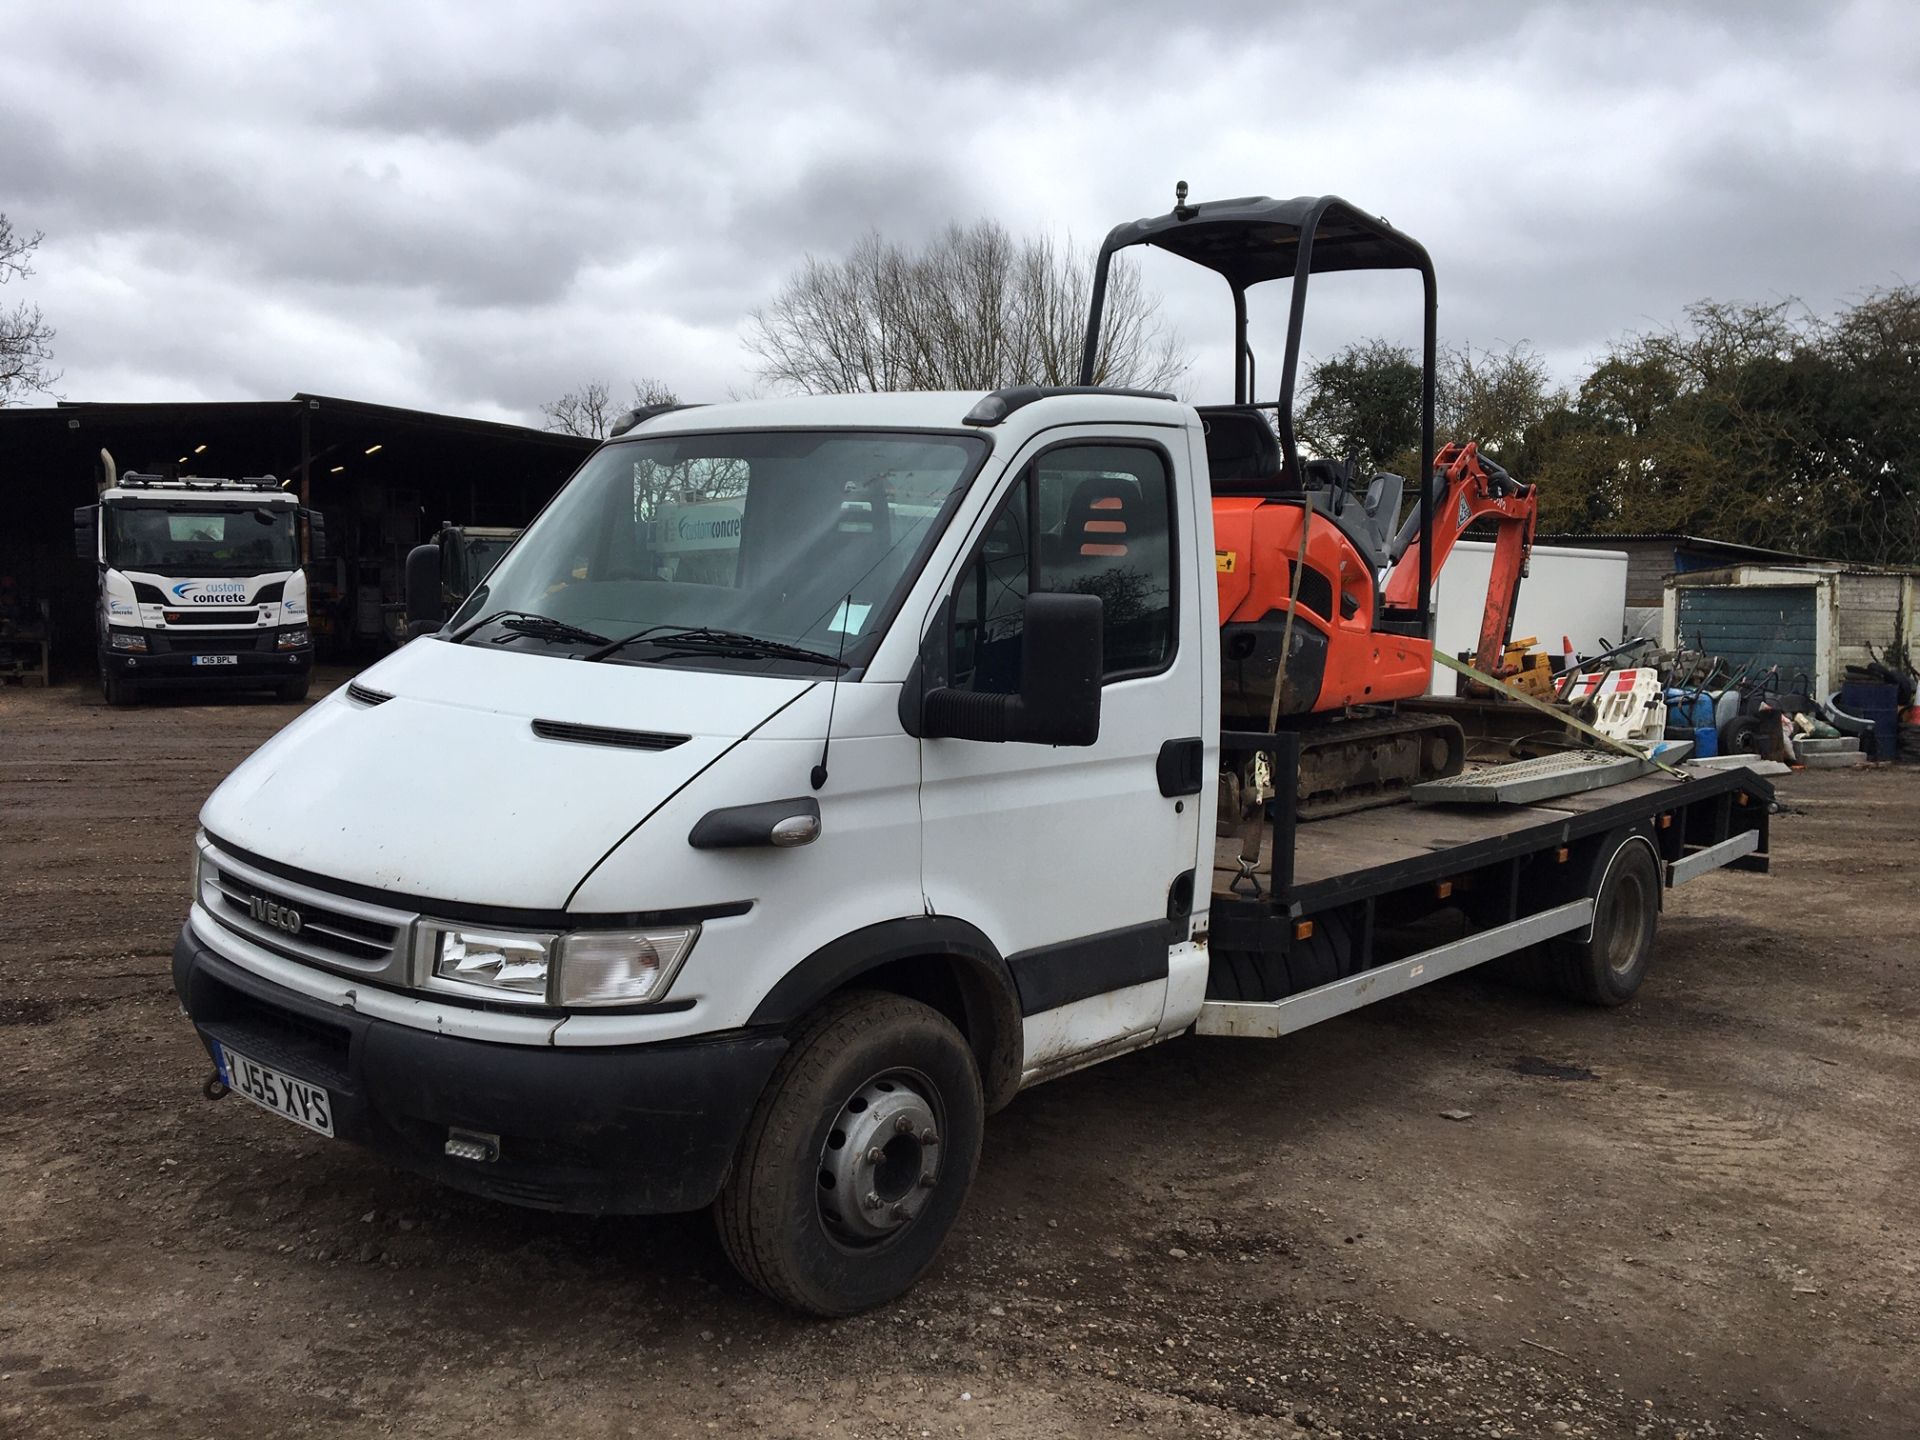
point(295, 1100)
point(216, 659)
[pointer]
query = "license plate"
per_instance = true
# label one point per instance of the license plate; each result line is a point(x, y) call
point(216, 659)
point(266, 1087)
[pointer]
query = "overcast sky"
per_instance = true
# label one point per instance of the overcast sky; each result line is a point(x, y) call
point(471, 207)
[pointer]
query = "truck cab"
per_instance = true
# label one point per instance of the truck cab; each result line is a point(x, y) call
point(200, 585)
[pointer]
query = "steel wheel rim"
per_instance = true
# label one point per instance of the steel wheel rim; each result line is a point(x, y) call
point(1626, 922)
point(880, 1158)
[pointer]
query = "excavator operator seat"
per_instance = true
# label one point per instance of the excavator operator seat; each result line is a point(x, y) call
point(1243, 453)
point(1331, 490)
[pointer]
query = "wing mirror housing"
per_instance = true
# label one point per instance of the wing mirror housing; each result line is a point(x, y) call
point(426, 608)
point(86, 521)
point(1060, 667)
point(316, 537)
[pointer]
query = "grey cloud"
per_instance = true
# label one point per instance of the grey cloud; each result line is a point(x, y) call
point(840, 197)
point(468, 209)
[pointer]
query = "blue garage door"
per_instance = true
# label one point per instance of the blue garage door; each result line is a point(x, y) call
point(1757, 626)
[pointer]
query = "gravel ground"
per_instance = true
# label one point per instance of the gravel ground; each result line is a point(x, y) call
point(1692, 1217)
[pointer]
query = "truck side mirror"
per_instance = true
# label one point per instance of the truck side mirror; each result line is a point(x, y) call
point(316, 536)
point(86, 523)
point(426, 609)
point(1060, 667)
point(453, 561)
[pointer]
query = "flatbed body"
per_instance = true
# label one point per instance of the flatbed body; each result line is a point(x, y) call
point(1341, 912)
point(1373, 852)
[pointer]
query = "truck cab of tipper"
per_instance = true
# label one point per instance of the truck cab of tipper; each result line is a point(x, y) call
point(843, 761)
point(200, 584)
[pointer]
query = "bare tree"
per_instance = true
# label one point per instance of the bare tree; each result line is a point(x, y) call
point(975, 309)
point(592, 409)
point(1494, 397)
point(26, 340)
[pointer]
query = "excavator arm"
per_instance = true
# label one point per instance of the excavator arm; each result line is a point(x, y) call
point(1471, 488)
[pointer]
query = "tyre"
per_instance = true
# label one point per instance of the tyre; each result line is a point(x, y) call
point(858, 1157)
point(1608, 968)
point(292, 690)
point(1742, 736)
point(117, 692)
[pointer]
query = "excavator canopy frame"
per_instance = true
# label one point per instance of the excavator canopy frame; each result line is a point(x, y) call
point(1255, 239)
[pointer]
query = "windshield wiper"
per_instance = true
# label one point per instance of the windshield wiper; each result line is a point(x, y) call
point(527, 622)
point(720, 642)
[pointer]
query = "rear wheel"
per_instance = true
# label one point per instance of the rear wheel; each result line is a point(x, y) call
point(1609, 966)
point(858, 1158)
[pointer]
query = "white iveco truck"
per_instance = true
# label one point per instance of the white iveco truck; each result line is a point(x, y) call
point(813, 776)
point(200, 585)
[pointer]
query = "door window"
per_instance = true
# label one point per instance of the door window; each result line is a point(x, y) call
point(1086, 520)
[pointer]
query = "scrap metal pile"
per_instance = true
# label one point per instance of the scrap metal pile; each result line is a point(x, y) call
point(1670, 705)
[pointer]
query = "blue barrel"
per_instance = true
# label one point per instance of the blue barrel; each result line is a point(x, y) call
point(1706, 742)
point(1690, 710)
point(1871, 700)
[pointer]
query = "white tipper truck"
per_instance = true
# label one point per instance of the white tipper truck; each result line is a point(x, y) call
point(200, 585)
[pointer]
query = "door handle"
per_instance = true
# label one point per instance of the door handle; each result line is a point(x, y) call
point(1177, 767)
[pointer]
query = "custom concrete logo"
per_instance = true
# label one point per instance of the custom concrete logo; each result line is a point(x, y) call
point(209, 592)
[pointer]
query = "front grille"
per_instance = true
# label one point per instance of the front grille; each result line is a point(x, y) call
point(330, 931)
point(211, 617)
point(163, 643)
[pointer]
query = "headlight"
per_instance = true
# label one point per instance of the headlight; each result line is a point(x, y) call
point(516, 964)
point(621, 967)
point(586, 967)
point(128, 640)
point(294, 639)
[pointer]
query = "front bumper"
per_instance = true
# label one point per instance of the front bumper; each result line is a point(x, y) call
point(641, 1129)
point(251, 667)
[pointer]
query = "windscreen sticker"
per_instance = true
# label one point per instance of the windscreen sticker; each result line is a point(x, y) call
point(849, 618)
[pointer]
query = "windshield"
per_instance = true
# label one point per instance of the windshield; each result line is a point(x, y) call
point(483, 553)
point(201, 540)
point(798, 537)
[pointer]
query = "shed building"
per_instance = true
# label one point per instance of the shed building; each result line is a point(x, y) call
point(383, 478)
point(1654, 557)
point(1810, 622)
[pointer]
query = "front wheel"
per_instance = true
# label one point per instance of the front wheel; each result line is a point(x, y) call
point(858, 1157)
point(116, 692)
point(292, 690)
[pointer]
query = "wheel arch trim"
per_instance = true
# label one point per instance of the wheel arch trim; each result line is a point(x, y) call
point(991, 1002)
point(1585, 937)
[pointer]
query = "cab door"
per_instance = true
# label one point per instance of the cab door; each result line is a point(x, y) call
point(1078, 863)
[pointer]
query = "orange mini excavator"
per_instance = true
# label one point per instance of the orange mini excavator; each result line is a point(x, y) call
point(1326, 594)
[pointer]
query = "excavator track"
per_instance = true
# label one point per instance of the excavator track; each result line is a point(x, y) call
point(1348, 765)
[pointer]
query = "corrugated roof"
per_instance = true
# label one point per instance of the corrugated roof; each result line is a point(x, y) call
point(1677, 538)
